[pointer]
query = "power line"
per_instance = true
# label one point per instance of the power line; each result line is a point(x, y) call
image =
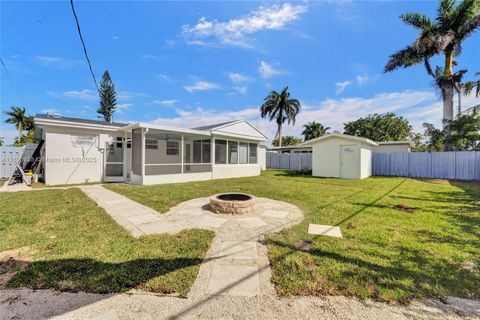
point(11, 81)
point(83, 44)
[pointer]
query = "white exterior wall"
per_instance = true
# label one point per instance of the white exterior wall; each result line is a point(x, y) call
point(66, 163)
point(176, 178)
point(392, 148)
point(262, 156)
point(365, 161)
point(223, 171)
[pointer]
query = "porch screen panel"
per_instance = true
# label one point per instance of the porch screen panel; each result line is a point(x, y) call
point(252, 153)
point(137, 151)
point(206, 154)
point(220, 151)
point(197, 151)
point(233, 152)
point(114, 170)
point(151, 170)
point(194, 168)
point(243, 153)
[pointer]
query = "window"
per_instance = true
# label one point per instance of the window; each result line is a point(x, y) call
point(232, 152)
point(151, 144)
point(173, 148)
point(220, 151)
point(243, 153)
point(119, 142)
point(252, 153)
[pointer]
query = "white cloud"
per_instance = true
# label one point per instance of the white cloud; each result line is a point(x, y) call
point(362, 79)
point(341, 86)
point(235, 31)
point(48, 61)
point(121, 107)
point(241, 89)
point(84, 94)
point(236, 77)
point(416, 106)
point(201, 86)
point(167, 103)
point(165, 77)
point(268, 71)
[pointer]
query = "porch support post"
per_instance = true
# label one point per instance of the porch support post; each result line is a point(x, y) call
point(143, 155)
point(212, 154)
point(182, 146)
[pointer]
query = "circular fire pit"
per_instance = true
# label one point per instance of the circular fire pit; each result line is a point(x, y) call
point(232, 203)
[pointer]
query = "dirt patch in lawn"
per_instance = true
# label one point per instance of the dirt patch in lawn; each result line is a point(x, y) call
point(402, 207)
point(13, 261)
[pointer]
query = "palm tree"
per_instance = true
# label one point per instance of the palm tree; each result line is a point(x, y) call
point(2, 141)
point(17, 117)
point(452, 25)
point(314, 130)
point(469, 86)
point(279, 107)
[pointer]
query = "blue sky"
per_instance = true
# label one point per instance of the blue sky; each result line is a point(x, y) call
point(193, 63)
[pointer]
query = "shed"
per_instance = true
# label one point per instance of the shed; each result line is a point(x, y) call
point(341, 156)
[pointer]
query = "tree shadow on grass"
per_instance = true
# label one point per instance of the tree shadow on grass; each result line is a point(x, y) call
point(413, 275)
point(92, 276)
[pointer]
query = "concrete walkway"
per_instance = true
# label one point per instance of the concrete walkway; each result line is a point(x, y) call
point(237, 263)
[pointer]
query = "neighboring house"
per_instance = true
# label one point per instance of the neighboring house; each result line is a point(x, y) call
point(80, 151)
point(389, 146)
point(290, 149)
point(338, 155)
point(393, 146)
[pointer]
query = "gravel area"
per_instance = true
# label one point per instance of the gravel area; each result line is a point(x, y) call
point(46, 304)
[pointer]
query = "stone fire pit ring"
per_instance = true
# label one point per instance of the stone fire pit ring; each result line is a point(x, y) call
point(234, 203)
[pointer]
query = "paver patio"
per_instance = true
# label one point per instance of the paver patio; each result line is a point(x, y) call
point(237, 262)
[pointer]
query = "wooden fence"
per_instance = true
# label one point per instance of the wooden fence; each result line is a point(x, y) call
point(460, 165)
point(289, 161)
point(9, 157)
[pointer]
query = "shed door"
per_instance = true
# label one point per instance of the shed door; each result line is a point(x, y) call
point(348, 162)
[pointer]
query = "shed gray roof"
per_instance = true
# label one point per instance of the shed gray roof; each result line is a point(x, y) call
point(79, 120)
point(213, 126)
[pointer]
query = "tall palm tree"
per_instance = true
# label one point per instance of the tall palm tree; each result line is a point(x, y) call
point(314, 130)
point(17, 117)
point(470, 86)
point(453, 24)
point(279, 107)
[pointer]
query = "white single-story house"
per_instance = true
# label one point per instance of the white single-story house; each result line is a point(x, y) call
point(384, 146)
point(81, 151)
point(393, 146)
point(339, 155)
point(290, 149)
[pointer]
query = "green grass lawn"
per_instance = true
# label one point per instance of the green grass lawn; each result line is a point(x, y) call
point(385, 253)
point(76, 246)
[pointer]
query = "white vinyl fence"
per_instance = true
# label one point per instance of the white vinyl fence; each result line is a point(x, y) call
point(9, 157)
point(289, 161)
point(459, 165)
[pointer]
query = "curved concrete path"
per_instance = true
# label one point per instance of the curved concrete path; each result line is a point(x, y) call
point(237, 263)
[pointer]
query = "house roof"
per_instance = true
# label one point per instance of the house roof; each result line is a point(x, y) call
point(339, 135)
point(215, 125)
point(77, 120)
point(386, 143)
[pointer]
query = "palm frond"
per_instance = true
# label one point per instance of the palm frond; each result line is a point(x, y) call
point(469, 28)
point(403, 58)
point(417, 20)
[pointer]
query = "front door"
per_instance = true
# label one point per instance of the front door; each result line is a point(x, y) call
point(114, 160)
point(348, 162)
